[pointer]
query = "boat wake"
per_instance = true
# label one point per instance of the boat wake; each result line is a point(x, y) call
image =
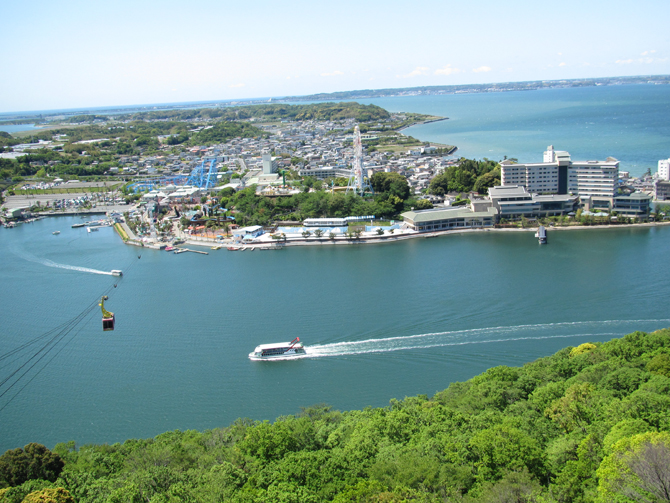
point(591, 329)
point(51, 263)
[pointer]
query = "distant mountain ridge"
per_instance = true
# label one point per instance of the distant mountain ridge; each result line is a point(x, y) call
point(480, 88)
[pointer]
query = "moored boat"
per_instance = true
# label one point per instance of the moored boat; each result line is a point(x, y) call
point(278, 350)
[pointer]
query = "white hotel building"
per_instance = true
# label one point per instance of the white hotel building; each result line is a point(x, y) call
point(595, 182)
point(558, 174)
point(664, 169)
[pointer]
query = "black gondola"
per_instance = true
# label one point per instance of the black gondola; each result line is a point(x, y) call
point(107, 317)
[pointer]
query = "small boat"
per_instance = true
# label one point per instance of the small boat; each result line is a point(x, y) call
point(169, 248)
point(541, 235)
point(117, 272)
point(278, 350)
point(75, 226)
point(55, 233)
point(233, 248)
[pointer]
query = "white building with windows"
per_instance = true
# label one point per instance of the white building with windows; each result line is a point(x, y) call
point(594, 178)
point(269, 164)
point(558, 174)
point(664, 169)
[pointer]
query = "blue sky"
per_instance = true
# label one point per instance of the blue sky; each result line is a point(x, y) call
point(68, 54)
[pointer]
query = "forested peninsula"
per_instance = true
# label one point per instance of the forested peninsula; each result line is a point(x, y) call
point(588, 424)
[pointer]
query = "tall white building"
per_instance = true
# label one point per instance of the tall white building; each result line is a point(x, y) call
point(269, 164)
point(558, 174)
point(664, 169)
point(593, 178)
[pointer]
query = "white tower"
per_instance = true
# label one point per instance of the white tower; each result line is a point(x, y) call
point(356, 181)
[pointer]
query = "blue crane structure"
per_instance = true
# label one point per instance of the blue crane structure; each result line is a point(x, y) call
point(202, 176)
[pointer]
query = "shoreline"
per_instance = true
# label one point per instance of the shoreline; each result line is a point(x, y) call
point(403, 237)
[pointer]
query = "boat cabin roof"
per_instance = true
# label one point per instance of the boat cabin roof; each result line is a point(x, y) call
point(277, 345)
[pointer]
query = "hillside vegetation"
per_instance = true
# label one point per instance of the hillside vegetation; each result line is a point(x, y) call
point(587, 424)
point(276, 111)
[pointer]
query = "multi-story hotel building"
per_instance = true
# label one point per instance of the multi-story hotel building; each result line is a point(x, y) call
point(558, 174)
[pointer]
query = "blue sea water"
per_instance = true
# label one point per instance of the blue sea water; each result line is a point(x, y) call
point(630, 123)
point(379, 322)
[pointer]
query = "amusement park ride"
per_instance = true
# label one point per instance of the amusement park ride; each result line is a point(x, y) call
point(202, 176)
point(357, 182)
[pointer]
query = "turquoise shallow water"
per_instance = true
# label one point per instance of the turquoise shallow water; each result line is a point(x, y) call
point(629, 123)
point(380, 322)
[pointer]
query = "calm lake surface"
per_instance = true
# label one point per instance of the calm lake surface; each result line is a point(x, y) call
point(380, 322)
point(629, 123)
point(15, 128)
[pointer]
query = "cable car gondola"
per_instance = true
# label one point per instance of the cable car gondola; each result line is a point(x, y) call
point(107, 317)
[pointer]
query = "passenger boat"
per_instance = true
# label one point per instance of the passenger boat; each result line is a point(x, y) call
point(541, 235)
point(278, 350)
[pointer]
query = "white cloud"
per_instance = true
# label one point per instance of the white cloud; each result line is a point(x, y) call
point(647, 53)
point(419, 70)
point(562, 64)
point(332, 74)
point(447, 70)
point(643, 61)
point(482, 69)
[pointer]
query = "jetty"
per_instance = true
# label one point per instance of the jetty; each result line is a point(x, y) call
point(182, 250)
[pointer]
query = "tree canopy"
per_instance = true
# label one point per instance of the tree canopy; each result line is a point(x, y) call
point(587, 424)
point(469, 175)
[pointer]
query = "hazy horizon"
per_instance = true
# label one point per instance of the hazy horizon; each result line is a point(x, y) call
point(262, 98)
point(90, 54)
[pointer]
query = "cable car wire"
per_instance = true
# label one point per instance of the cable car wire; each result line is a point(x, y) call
point(61, 332)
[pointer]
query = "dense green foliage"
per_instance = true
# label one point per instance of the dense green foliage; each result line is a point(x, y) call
point(270, 112)
point(221, 132)
point(469, 175)
point(584, 425)
point(34, 461)
point(391, 197)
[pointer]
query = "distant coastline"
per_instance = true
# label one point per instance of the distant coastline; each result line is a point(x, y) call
point(531, 85)
point(15, 118)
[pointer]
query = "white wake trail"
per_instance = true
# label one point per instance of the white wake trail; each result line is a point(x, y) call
point(489, 335)
point(50, 263)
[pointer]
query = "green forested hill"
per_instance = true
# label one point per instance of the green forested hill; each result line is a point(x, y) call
point(273, 111)
point(586, 424)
